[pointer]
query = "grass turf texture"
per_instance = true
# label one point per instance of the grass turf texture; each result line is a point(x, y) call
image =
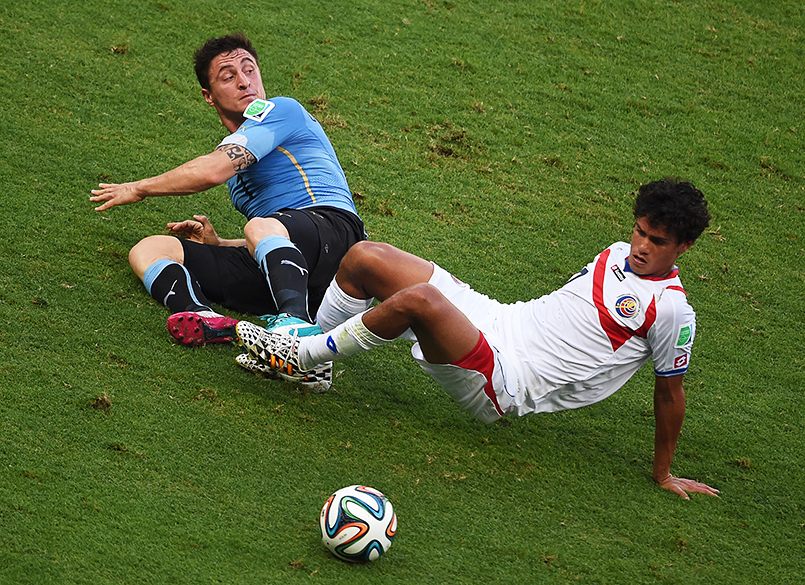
point(500, 139)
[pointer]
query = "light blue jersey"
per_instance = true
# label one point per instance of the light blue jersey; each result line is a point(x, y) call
point(296, 166)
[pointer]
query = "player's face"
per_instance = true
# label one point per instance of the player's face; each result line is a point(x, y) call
point(235, 82)
point(654, 250)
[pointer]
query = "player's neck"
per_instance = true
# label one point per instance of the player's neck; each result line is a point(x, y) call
point(231, 123)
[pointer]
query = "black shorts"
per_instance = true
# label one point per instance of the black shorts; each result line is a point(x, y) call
point(231, 277)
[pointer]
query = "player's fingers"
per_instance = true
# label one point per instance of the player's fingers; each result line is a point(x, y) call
point(703, 489)
point(690, 485)
point(680, 492)
point(184, 222)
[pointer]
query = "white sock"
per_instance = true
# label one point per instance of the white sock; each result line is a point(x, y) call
point(344, 340)
point(337, 306)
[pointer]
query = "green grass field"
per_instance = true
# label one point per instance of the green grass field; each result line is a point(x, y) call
point(502, 139)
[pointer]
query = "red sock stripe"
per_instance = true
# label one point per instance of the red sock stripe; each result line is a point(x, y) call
point(481, 359)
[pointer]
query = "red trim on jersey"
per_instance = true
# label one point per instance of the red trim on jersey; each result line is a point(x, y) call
point(618, 334)
point(481, 359)
point(679, 288)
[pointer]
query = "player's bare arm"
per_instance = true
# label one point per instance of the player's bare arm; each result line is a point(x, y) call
point(199, 174)
point(669, 412)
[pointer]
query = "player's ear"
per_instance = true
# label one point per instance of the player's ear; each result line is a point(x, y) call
point(685, 246)
point(207, 96)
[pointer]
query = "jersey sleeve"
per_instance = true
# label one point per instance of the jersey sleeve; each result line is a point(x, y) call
point(262, 137)
point(671, 337)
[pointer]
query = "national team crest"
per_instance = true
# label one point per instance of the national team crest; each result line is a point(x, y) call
point(627, 306)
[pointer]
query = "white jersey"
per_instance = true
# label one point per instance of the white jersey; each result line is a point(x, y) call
point(581, 343)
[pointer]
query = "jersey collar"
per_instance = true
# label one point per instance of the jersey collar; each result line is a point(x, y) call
point(673, 274)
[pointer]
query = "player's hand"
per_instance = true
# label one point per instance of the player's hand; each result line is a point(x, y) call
point(199, 229)
point(681, 486)
point(112, 194)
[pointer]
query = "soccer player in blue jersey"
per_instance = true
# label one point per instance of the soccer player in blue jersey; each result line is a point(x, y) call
point(283, 175)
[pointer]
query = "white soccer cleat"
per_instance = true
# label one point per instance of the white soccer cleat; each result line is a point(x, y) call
point(246, 362)
point(277, 352)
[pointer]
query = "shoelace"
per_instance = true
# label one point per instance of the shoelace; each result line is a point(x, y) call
point(269, 319)
point(291, 346)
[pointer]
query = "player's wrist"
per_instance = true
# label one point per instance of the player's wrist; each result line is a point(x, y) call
point(140, 189)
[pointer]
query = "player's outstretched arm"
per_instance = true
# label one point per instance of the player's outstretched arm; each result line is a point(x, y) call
point(199, 174)
point(669, 412)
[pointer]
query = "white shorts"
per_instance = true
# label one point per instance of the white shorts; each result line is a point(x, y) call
point(477, 381)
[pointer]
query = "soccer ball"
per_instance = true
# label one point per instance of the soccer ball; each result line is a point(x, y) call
point(358, 524)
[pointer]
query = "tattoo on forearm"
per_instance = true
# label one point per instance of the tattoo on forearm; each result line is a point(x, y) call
point(240, 157)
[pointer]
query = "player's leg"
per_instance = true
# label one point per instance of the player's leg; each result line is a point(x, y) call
point(369, 269)
point(379, 270)
point(158, 261)
point(450, 347)
point(282, 263)
point(338, 231)
point(444, 333)
point(399, 279)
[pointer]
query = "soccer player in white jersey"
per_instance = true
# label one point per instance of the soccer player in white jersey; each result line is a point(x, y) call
point(568, 349)
point(282, 174)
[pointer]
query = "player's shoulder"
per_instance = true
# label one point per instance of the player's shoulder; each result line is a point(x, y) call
point(286, 104)
point(620, 247)
point(672, 302)
point(284, 101)
point(270, 110)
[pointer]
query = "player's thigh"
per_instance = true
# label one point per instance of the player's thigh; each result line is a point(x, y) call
point(380, 270)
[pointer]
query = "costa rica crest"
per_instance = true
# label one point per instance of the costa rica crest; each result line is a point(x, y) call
point(627, 306)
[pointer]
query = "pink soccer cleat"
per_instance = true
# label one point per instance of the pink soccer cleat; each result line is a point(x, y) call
point(190, 328)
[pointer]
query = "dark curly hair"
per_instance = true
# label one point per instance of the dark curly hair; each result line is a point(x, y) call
point(217, 46)
point(674, 204)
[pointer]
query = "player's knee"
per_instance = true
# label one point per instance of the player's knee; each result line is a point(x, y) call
point(422, 301)
point(153, 248)
point(364, 261)
point(258, 228)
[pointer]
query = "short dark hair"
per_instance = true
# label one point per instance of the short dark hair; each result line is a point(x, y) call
point(674, 204)
point(217, 46)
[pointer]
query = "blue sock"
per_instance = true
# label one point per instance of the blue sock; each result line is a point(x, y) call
point(171, 284)
point(287, 274)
